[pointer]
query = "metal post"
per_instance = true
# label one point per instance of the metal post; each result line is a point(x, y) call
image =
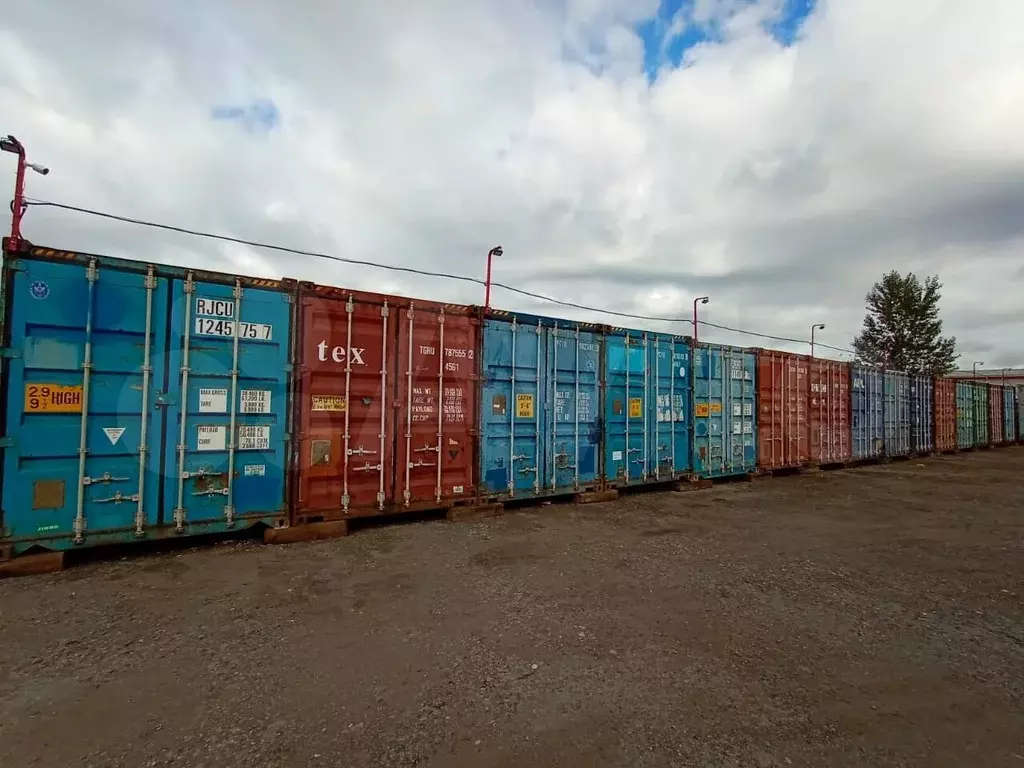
point(496, 251)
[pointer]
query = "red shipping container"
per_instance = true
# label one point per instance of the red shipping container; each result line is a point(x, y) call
point(995, 414)
point(945, 415)
point(385, 403)
point(803, 410)
point(782, 396)
point(831, 433)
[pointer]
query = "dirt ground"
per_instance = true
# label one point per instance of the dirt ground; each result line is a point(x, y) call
point(861, 617)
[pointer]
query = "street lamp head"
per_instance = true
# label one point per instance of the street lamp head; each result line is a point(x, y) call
point(704, 299)
point(11, 144)
point(496, 251)
point(819, 326)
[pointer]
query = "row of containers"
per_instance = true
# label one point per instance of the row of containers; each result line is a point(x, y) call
point(146, 401)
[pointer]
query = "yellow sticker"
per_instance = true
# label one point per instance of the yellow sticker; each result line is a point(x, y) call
point(716, 409)
point(636, 407)
point(524, 406)
point(328, 403)
point(53, 398)
point(701, 410)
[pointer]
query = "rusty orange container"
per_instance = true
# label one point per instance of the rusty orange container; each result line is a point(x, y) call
point(996, 425)
point(945, 414)
point(385, 403)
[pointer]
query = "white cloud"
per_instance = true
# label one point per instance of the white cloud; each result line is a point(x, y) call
point(782, 181)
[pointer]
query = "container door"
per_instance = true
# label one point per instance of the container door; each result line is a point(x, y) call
point(573, 434)
point(710, 386)
point(437, 399)
point(670, 362)
point(84, 423)
point(626, 425)
point(346, 445)
point(511, 410)
point(227, 403)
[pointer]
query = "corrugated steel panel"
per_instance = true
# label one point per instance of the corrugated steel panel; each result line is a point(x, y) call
point(725, 411)
point(645, 439)
point(965, 428)
point(386, 393)
point(945, 414)
point(1019, 405)
point(1010, 415)
point(922, 414)
point(136, 406)
point(996, 422)
point(897, 414)
point(539, 415)
point(783, 390)
point(982, 414)
point(867, 401)
point(829, 411)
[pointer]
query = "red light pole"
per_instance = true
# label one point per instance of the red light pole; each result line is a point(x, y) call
point(700, 300)
point(12, 145)
point(495, 251)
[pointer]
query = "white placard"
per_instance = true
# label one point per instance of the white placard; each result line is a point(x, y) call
point(211, 326)
point(258, 470)
point(213, 401)
point(113, 434)
point(254, 438)
point(254, 401)
point(212, 437)
point(214, 307)
point(616, 455)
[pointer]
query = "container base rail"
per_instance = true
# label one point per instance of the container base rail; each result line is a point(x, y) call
point(394, 511)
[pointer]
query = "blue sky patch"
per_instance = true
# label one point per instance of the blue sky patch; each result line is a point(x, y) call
point(259, 116)
point(672, 32)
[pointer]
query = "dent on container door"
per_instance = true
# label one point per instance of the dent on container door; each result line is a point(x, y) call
point(227, 399)
point(82, 436)
point(724, 413)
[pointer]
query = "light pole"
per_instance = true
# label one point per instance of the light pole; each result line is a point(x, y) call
point(495, 251)
point(12, 145)
point(975, 371)
point(815, 327)
point(699, 300)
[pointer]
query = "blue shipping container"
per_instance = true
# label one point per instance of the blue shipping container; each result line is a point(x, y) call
point(646, 407)
point(867, 393)
point(1010, 415)
point(897, 414)
point(724, 411)
point(539, 411)
point(922, 414)
point(135, 407)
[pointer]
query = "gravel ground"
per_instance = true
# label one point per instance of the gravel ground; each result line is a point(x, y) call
point(864, 617)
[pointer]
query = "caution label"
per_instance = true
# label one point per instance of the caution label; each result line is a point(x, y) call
point(328, 403)
point(524, 406)
point(636, 407)
point(53, 398)
point(700, 410)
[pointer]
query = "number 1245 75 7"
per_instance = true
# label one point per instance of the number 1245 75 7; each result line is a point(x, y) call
point(212, 326)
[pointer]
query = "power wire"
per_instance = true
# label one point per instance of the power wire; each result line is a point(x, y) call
point(412, 271)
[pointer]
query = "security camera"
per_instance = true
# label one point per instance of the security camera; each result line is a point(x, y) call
point(40, 169)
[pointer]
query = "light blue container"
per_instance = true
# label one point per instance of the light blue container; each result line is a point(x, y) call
point(922, 414)
point(1010, 434)
point(646, 407)
point(966, 428)
point(897, 414)
point(539, 412)
point(725, 411)
point(121, 389)
point(867, 394)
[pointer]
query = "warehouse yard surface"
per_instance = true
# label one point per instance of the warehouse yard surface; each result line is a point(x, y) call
point(862, 617)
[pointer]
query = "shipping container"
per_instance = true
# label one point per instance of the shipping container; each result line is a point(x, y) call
point(922, 414)
point(897, 414)
point(1009, 415)
point(965, 427)
point(646, 408)
point(724, 411)
point(782, 380)
point(982, 414)
point(385, 403)
point(829, 410)
point(945, 414)
point(1019, 406)
point(996, 421)
point(135, 405)
point(539, 425)
point(867, 403)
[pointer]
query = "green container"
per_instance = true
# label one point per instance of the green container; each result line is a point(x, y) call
point(982, 411)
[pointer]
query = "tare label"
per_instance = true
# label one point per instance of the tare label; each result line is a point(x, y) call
point(213, 401)
point(254, 401)
point(256, 438)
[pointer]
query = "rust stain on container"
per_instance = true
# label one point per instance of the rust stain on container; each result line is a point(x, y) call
point(386, 404)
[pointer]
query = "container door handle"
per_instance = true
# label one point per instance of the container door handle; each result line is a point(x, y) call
point(117, 498)
point(106, 477)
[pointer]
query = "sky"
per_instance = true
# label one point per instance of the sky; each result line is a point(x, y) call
point(776, 155)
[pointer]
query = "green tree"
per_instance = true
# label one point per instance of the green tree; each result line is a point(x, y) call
point(902, 330)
